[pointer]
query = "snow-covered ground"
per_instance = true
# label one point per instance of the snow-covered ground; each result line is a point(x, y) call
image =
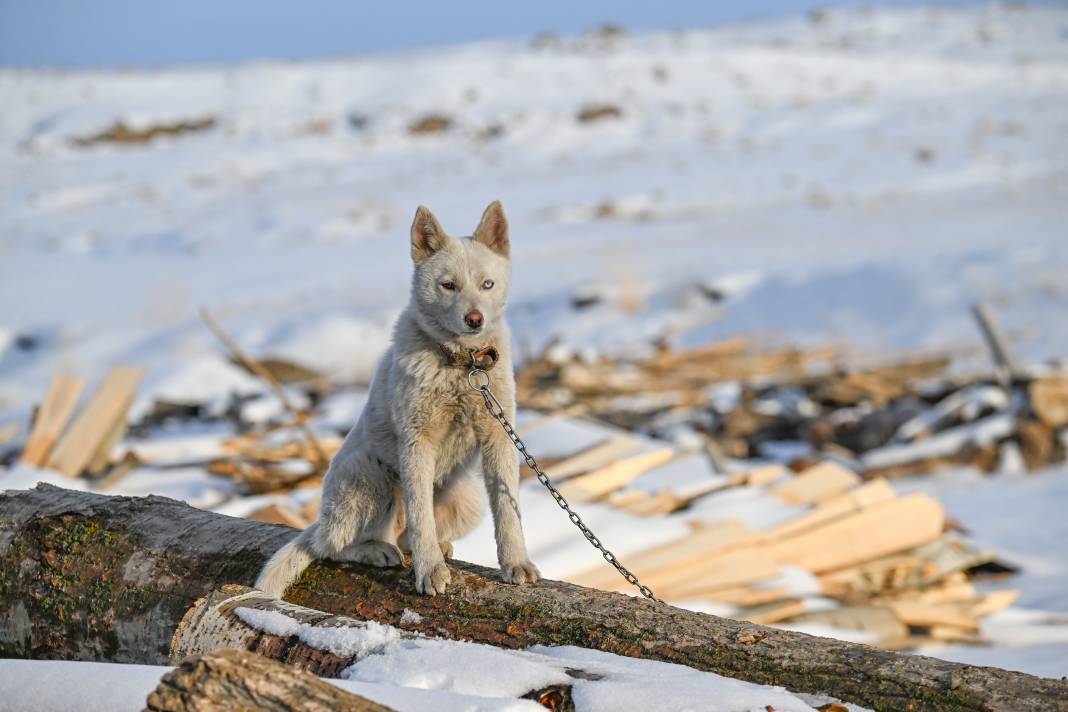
point(857, 177)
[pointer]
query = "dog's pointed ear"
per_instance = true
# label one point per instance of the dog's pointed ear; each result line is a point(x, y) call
point(427, 235)
point(492, 231)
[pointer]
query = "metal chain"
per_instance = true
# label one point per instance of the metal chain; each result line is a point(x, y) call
point(497, 411)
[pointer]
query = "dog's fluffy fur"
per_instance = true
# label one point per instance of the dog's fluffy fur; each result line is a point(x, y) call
point(406, 475)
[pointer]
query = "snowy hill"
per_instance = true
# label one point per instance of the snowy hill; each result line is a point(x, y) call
point(856, 177)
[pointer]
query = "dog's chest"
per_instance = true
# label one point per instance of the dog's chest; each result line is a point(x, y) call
point(454, 431)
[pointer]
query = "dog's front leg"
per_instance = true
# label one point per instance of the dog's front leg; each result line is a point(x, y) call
point(501, 471)
point(417, 481)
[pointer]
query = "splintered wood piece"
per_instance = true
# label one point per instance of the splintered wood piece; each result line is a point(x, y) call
point(278, 514)
point(815, 484)
point(1049, 400)
point(102, 457)
point(887, 528)
point(747, 595)
point(96, 421)
point(953, 634)
point(775, 612)
point(55, 410)
point(994, 602)
point(867, 495)
point(877, 620)
point(731, 568)
point(599, 483)
point(759, 476)
point(917, 614)
point(8, 433)
point(711, 538)
point(598, 455)
point(658, 504)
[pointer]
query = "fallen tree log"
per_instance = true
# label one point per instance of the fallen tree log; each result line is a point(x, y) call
point(240, 618)
point(239, 680)
point(90, 577)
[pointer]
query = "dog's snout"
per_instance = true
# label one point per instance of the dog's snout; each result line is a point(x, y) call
point(473, 319)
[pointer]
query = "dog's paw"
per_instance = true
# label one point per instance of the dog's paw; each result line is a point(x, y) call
point(434, 580)
point(375, 553)
point(446, 549)
point(521, 572)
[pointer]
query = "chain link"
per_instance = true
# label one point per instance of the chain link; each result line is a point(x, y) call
point(497, 411)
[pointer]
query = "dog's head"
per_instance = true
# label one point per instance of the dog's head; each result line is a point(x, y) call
point(460, 285)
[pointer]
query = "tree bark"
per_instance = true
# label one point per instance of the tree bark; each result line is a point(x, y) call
point(221, 621)
point(237, 680)
point(90, 577)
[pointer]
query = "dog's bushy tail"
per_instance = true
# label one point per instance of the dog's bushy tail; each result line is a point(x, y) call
point(286, 565)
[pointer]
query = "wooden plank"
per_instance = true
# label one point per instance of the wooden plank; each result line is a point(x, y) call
point(815, 484)
point(596, 456)
point(995, 602)
point(102, 457)
point(711, 538)
point(730, 568)
point(770, 613)
point(917, 614)
point(1049, 400)
point(893, 526)
point(867, 495)
point(56, 408)
point(278, 514)
point(8, 433)
point(747, 595)
point(601, 482)
point(759, 476)
point(96, 421)
point(877, 620)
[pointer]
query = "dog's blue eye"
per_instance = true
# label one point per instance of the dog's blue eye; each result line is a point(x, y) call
point(451, 286)
point(488, 284)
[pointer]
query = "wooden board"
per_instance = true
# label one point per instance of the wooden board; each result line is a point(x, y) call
point(601, 482)
point(867, 495)
point(759, 476)
point(893, 526)
point(731, 568)
point(96, 421)
point(278, 514)
point(994, 602)
point(711, 538)
point(747, 595)
point(913, 613)
point(816, 484)
point(770, 613)
point(870, 619)
point(593, 457)
point(56, 408)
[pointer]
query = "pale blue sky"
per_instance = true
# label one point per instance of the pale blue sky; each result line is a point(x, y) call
point(80, 33)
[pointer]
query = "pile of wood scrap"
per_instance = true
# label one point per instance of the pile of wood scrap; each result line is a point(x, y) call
point(886, 420)
point(873, 561)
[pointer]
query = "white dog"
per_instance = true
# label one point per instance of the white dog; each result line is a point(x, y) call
point(406, 475)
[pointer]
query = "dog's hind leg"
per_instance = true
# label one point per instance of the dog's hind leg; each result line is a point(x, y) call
point(358, 518)
point(377, 544)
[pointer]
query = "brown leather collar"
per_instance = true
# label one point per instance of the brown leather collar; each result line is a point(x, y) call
point(485, 357)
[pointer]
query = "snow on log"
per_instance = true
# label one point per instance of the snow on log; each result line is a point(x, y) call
point(240, 680)
point(240, 618)
point(90, 577)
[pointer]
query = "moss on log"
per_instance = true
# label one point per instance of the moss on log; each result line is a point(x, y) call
point(91, 577)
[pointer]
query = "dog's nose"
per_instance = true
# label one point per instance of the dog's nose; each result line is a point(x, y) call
point(473, 319)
